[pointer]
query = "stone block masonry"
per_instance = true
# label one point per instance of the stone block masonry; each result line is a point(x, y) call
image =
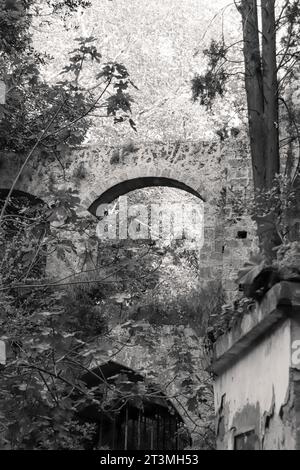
point(205, 169)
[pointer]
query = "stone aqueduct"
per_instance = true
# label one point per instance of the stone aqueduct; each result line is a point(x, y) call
point(100, 175)
point(204, 169)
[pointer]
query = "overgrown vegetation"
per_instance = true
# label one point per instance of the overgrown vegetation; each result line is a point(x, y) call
point(57, 115)
point(270, 72)
point(53, 328)
point(44, 326)
point(267, 66)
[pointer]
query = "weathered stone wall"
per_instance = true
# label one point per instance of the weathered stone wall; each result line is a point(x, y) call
point(209, 170)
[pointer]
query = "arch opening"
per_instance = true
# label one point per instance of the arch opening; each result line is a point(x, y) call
point(130, 185)
point(26, 198)
point(25, 225)
point(146, 421)
point(158, 232)
point(156, 281)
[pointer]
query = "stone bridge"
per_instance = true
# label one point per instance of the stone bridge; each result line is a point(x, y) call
point(204, 169)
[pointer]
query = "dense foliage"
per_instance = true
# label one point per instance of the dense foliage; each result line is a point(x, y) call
point(57, 115)
point(43, 327)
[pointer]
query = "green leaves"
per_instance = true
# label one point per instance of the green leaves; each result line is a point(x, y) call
point(212, 83)
point(42, 379)
point(251, 269)
point(114, 70)
point(31, 102)
point(67, 6)
point(85, 51)
point(118, 102)
point(216, 53)
point(207, 87)
point(45, 331)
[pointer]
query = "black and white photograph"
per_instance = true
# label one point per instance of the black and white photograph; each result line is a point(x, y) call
point(149, 229)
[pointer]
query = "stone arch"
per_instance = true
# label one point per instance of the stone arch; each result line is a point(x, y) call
point(157, 365)
point(92, 171)
point(206, 167)
point(31, 198)
point(157, 417)
point(126, 186)
point(186, 167)
point(21, 209)
point(116, 365)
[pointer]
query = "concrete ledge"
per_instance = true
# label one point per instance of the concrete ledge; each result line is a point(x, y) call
point(280, 301)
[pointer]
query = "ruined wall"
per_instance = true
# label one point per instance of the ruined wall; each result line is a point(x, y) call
point(209, 169)
point(257, 364)
point(172, 354)
point(251, 394)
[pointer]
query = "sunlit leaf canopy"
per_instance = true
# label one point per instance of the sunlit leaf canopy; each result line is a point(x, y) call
point(161, 44)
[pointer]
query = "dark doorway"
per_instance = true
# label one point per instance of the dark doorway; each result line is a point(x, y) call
point(148, 422)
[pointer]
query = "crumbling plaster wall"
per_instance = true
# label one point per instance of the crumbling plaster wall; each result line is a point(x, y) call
point(255, 394)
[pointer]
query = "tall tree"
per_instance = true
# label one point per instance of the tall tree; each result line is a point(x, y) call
point(267, 68)
point(261, 89)
point(262, 98)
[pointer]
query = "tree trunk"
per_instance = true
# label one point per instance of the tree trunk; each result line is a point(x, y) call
point(270, 90)
point(262, 101)
point(267, 227)
point(254, 88)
